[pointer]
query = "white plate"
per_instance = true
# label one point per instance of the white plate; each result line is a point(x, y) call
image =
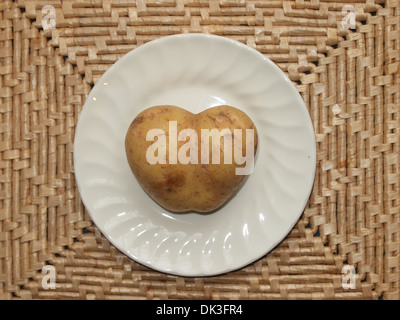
point(195, 71)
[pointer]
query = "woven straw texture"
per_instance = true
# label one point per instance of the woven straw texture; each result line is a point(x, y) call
point(349, 80)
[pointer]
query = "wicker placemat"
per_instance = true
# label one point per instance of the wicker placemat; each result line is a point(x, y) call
point(349, 79)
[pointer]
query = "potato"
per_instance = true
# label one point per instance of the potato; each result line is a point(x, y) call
point(191, 162)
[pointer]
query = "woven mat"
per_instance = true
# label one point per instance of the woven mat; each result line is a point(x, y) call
point(349, 79)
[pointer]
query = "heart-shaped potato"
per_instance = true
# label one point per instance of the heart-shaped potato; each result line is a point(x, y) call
point(191, 162)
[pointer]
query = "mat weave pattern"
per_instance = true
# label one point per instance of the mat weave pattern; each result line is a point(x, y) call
point(349, 80)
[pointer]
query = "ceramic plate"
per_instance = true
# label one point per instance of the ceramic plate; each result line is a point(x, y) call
point(195, 71)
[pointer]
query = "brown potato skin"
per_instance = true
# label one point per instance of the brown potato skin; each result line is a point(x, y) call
point(186, 187)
